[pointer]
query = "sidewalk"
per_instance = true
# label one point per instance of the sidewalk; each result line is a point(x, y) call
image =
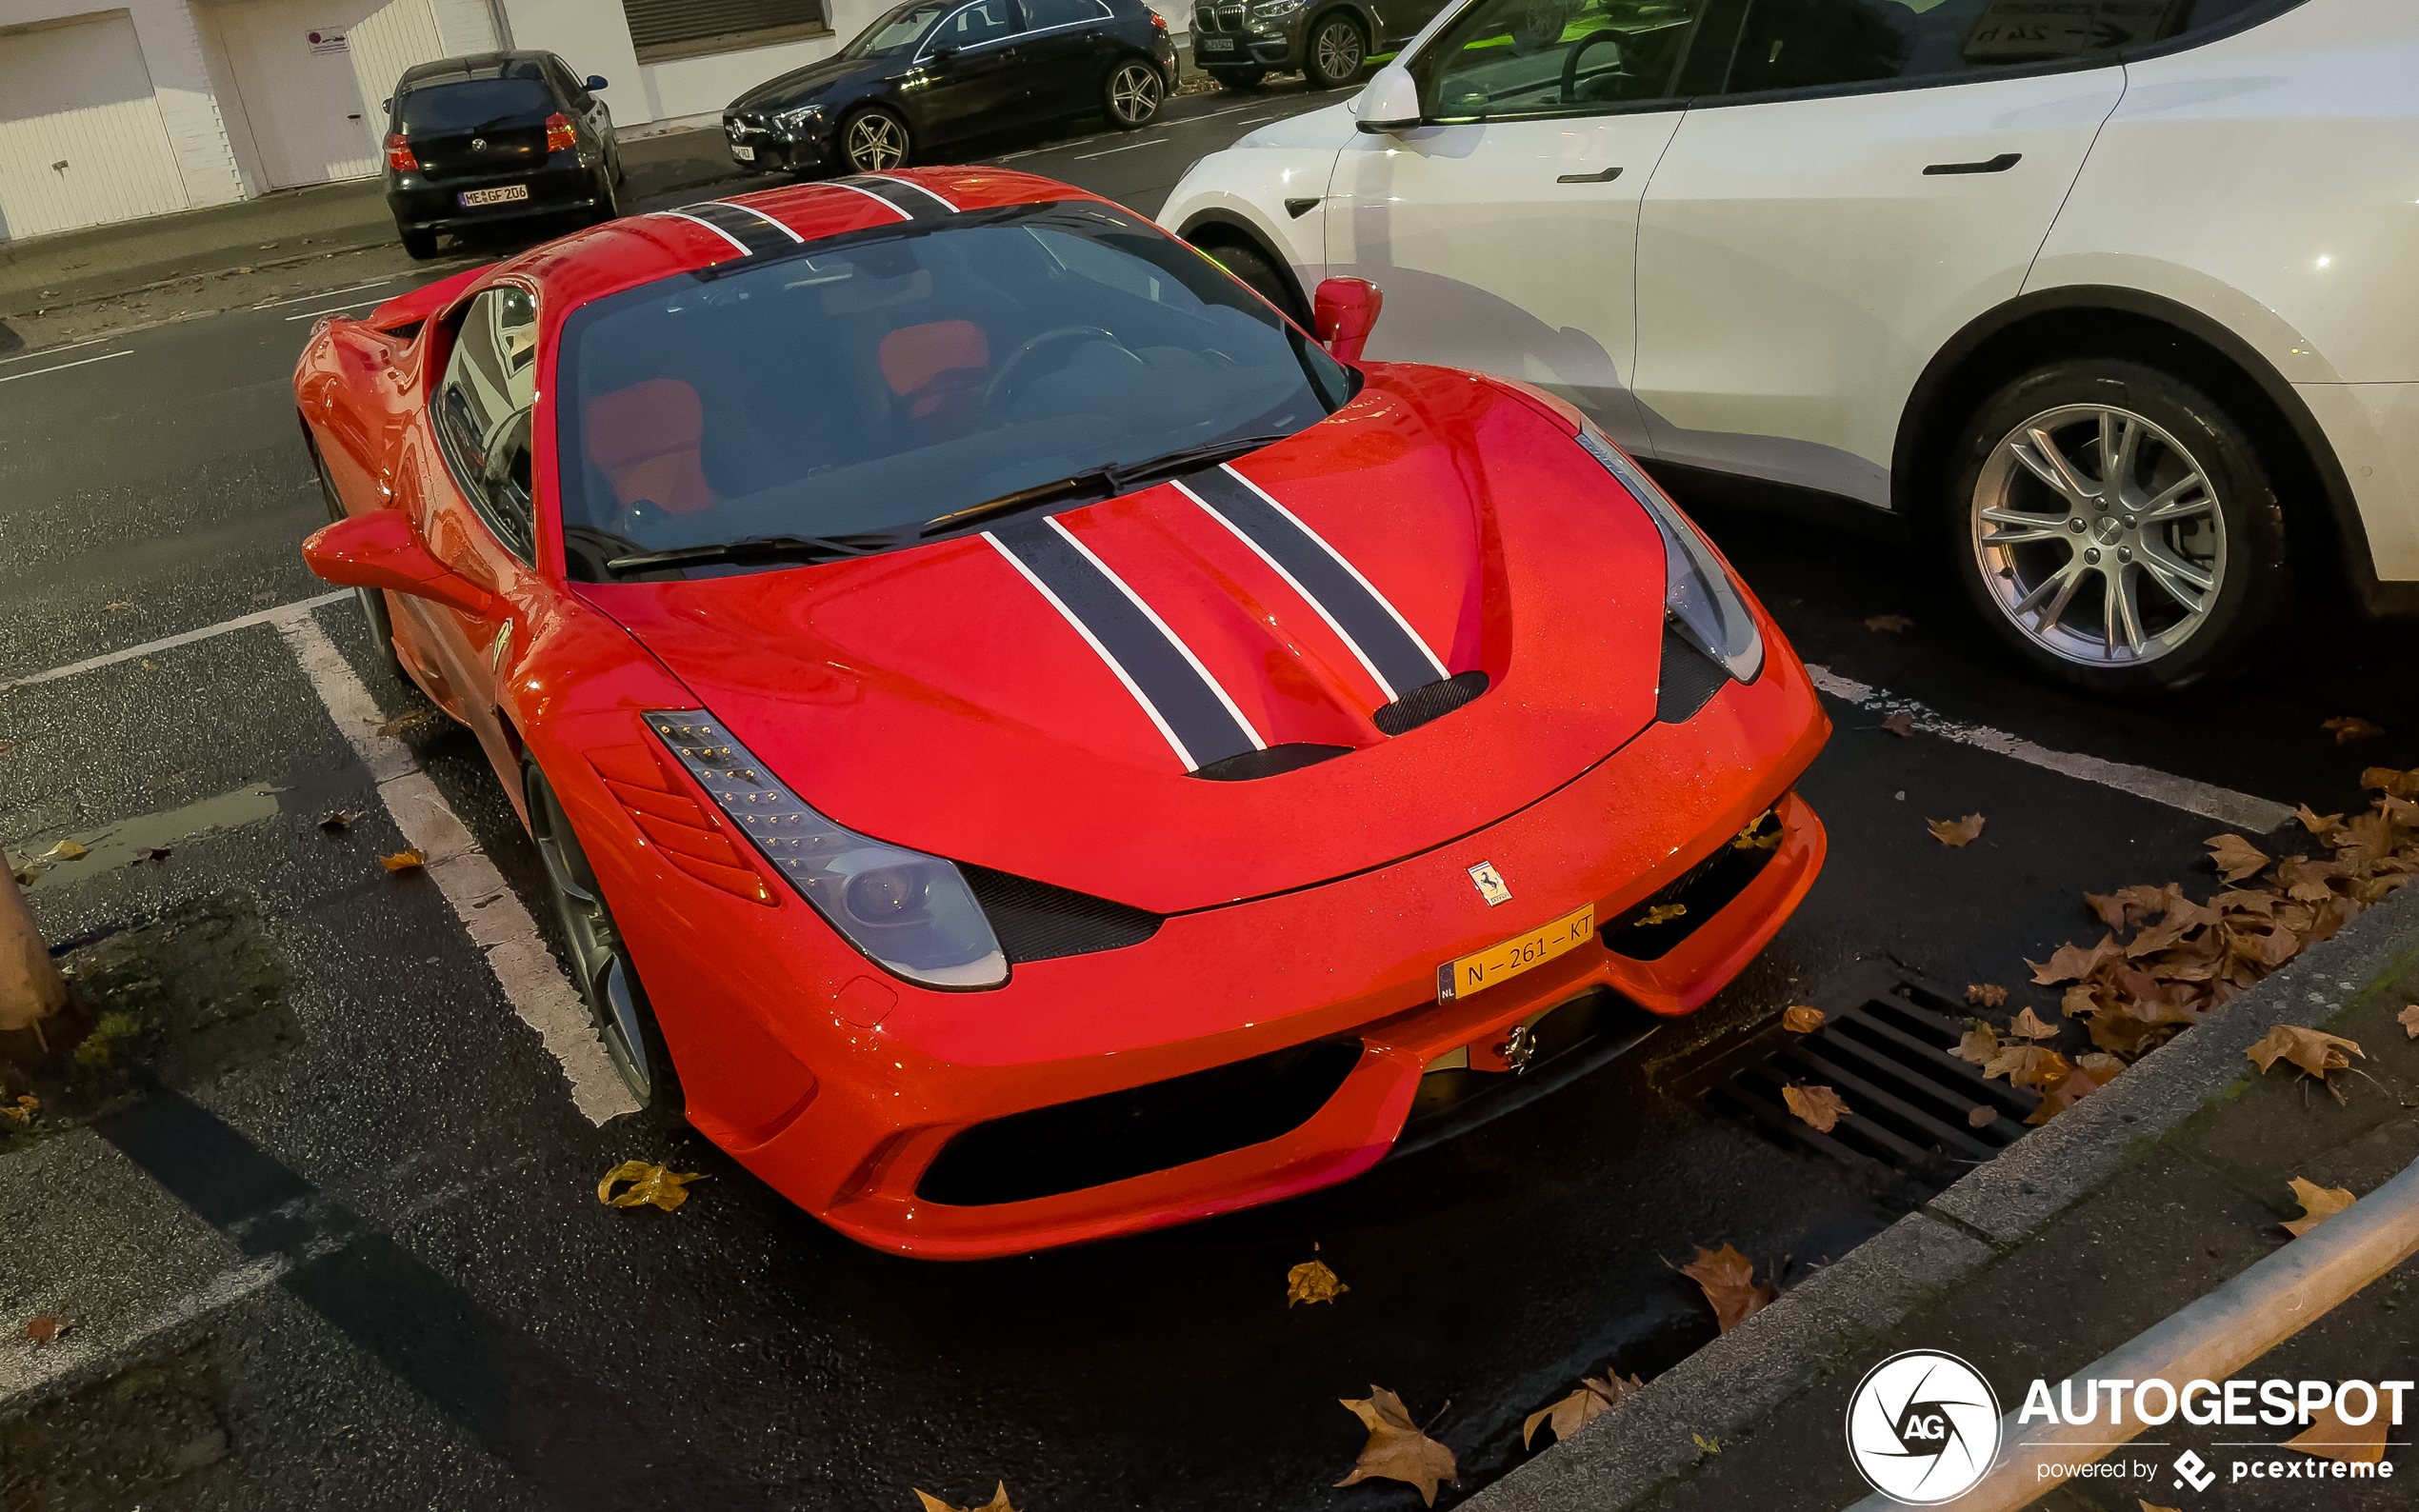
point(2141, 1199)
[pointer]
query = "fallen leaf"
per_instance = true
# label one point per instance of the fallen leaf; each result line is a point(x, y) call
point(2385, 779)
point(2147, 1506)
point(1986, 994)
point(1801, 1019)
point(2319, 1203)
point(1727, 1279)
point(2310, 1049)
point(1901, 723)
point(403, 722)
point(2350, 727)
point(2072, 1088)
point(1818, 1105)
point(1397, 1450)
point(659, 1184)
point(2071, 963)
point(997, 1503)
point(1660, 913)
point(1982, 1115)
point(2409, 1019)
point(46, 1329)
point(1582, 1407)
point(66, 851)
point(2028, 1026)
point(2330, 1437)
point(2236, 857)
point(404, 859)
point(1709, 1446)
point(121, 603)
point(2036, 1066)
point(1312, 1281)
point(1958, 832)
point(1894, 623)
point(338, 819)
point(1980, 1046)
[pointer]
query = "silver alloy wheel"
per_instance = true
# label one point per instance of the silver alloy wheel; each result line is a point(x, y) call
point(599, 967)
point(1338, 48)
point(875, 143)
point(2076, 510)
point(1134, 91)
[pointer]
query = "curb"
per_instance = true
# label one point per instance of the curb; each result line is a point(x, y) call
point(1726, 1390)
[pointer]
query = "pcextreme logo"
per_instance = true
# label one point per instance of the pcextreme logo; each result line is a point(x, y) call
point(1923, 1427)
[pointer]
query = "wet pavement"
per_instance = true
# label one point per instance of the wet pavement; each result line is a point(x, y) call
point(370, 1269)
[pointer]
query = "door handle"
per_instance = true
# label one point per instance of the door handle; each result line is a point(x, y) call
point(1605, 177)
point(1997, 165)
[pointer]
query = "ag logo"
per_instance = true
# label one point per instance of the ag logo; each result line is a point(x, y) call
point(1923, 1427)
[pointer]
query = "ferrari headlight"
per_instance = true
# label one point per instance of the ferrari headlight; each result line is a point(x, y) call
point(912, 912)
point(1699, 599)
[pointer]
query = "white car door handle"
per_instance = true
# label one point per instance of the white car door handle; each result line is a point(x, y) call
point(1605, 177)
point(1997, 165)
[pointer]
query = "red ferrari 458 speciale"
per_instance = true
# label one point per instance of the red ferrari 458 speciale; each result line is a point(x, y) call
point(1029, 746)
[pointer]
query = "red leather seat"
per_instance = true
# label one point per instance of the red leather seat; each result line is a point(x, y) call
point(936, 370)
point(646, 439)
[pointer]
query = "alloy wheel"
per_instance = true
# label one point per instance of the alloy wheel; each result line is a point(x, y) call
point(2099, 535)
point(1134, 93)
point(875, 144)
point(1337, 49)
point(600, 966)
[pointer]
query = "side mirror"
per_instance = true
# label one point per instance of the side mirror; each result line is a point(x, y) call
point(1389, 103)
point(941, 52)
point(595, 82)
point(379, 550)
point(1345, 313)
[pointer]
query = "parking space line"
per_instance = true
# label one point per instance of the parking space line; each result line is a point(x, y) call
point(1128, 148)
point(314, 314)
point(326, 293)
point(64, 367)
point(172, 642)
point(52, 352)
point(2241, 810)
point(485, 903)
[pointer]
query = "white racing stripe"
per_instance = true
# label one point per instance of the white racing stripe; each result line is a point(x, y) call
point(486, 904)
point(275, 616)
point(2241, 810)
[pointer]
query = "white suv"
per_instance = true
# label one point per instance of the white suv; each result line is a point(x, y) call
point(2114, 298)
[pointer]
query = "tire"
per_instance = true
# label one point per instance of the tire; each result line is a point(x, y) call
point(1244, 80)
point(1262, 276)
point(874, 140)
point(1133, 93)
point(1333, 56)
point(419, 246)
point(372, 601)
point(609, 203)
point(2173, 584)
point(597, 959)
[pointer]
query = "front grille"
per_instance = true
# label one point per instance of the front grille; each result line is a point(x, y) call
point(1884, 1047)
point(1220, 19)
point(1433, 701)
point(1574, 1039)
point(1153, 1127)
point(1704, 890)
point(1035, 920)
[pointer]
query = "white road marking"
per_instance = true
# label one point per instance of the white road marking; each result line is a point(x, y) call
point(325, 293)
point(273, 616)
point(1128, 148)
point(52, 352)
point(2241, 810)
point(64, 367)
point(336, 310)
point(499, 925)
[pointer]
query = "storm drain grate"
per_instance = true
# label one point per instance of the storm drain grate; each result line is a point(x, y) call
point(1883, 1046)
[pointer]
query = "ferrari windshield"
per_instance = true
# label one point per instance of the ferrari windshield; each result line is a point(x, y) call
point(871, 387)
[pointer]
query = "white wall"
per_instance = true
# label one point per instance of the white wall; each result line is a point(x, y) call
point(592, 36)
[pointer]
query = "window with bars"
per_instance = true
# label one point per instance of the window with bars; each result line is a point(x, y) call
point(680, 29)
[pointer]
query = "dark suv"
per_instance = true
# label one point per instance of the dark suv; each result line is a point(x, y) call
point(496, 136)
point(1329, 40)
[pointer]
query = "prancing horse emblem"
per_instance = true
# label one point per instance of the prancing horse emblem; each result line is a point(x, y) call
point(1489, 884)
point(478, 144)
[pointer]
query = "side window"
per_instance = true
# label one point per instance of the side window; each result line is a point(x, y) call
point(1510, 58)
point(1806, 44)
point(559, 74)
point(483, 410)
point(1041, 13)
point(983, 21)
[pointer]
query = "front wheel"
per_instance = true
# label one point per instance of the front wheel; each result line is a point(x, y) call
point(2117, 528)
point(1337, 52)
point(874, 142)
point(1262, 277)
point(1133, 95)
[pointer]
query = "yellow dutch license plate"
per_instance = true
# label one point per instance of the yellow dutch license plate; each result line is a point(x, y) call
point(1474, 974)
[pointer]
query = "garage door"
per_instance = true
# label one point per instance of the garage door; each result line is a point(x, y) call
point(81, 139)
point(311, 74)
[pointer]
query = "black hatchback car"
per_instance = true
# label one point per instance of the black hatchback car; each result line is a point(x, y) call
point(932, 72)
point(496, 136)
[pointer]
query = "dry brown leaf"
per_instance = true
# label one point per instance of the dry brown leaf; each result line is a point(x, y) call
point(1800, 1019)
point(1312, 1281)
point(2330, 1437)
point(2236, 857)
point(338, 819)
point(664, 1187)
point(2029, 1065)
point(2310, 1049)
point(2349, 727)
point(1980, 1046)
point(403, 722)
point(1593, 1400)
point(2319, 1203)
point(1818, 1105)
point(2071, 963)
point(46, 1329)
point(1894, 623)
point(1986, 994)
point(1397, 1450)
point(2072, 1089)
point(2409, 1019)
point(403, 860)
point(2323, 826)
point(1982, 1115)
point(1901, 723)
point(1956, 833)
point(2385, 779)
point(66, 851)
point(1729, 1282)
point(997, 1503)
point(2147, 1506)
point(2028, 1026)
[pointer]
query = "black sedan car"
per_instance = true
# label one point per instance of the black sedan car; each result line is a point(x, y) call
point(932, 72)
point(496, 136)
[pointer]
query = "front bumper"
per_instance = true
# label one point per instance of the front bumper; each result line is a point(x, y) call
point(776, 148)
point(897, 1073)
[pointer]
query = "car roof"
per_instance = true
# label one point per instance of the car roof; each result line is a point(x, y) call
point(474, 66)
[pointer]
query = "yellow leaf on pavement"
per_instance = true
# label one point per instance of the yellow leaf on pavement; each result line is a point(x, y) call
point(2028, 1026)
point(1582, 1407)
point(1980, 1046)
point(2149, 1506)
point(403, 860)
point(2319, 1203)
point(1986, 994)
point(64, 850)
point(664, 1187)
point(1801, 1019)
point(1727, 1279)
point(1818, 1105)
point(2350, 727)
point(1312, 1281)
point(2236, 857)
point(997, 1503)
point(1957, 832)
point(2030, 1065)
point(1982, 1115)
point(1661, 913)
point(2330, 1437)
point(1397, 1450)
point(2409, 1019)
point(2310, 1049)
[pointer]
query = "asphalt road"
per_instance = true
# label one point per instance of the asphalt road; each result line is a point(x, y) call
point(371, 1270)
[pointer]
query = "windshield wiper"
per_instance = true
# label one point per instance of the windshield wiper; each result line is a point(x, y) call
point(759, 548)
point(1106, 482)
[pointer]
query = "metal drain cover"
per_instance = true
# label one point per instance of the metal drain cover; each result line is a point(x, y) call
point(1883, 1046)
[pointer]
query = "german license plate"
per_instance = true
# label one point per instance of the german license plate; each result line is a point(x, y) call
point(496, 196)
point(1476, 973)
point(1217, 44)
point(745, 155)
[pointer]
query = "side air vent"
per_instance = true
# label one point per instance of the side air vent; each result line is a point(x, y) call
point(1037, 922)
point(1289, 757)
point(1653, 929)
point(1688, 681)
point(1435, 701)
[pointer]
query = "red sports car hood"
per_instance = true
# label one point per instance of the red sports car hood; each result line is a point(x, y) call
point(1120, 699)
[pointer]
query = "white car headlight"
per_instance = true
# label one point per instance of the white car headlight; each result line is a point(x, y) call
point(1699, 599)
point(803, 117)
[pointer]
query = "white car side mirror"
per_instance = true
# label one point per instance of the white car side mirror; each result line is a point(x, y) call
point(1390, 103)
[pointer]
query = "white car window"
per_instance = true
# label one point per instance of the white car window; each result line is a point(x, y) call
point(1510, 59)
